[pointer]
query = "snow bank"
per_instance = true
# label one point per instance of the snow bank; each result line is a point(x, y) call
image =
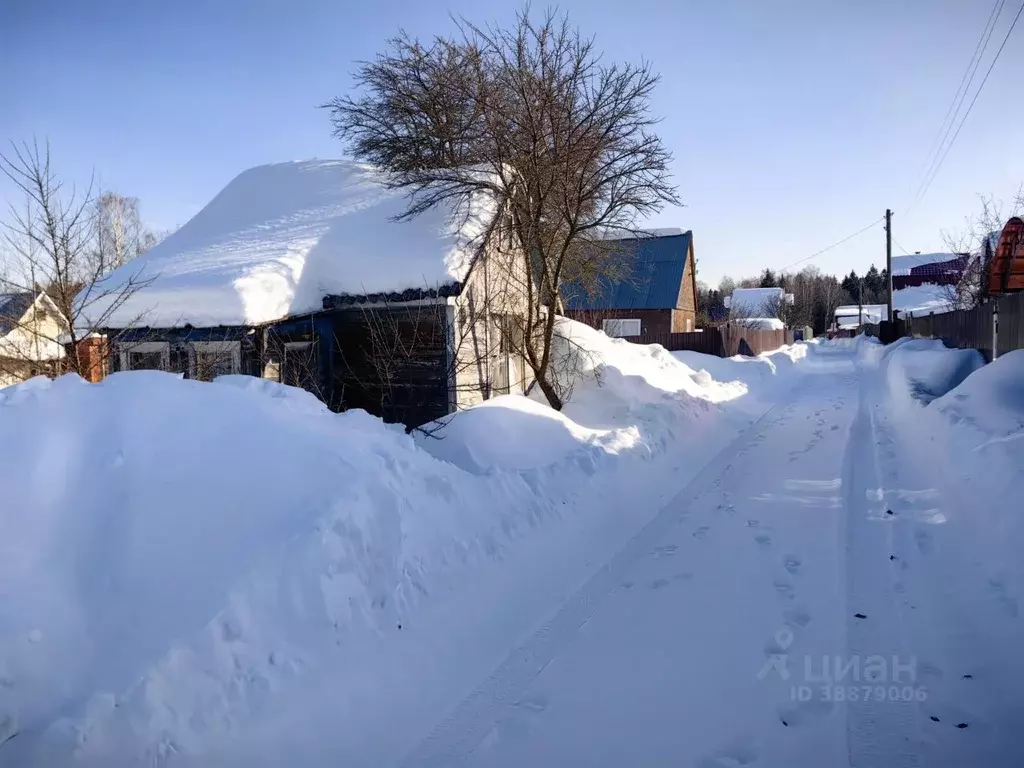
point(626, 397)
point(925, 369)
point(991, 398)
point(279, 238)
point(760, 378)
point(228, 573)
point(173, 551)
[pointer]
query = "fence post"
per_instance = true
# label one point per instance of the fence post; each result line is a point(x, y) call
point(995, 328)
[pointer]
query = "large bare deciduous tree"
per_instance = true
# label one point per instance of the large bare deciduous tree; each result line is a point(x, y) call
point(531, 119)
point(62, 240)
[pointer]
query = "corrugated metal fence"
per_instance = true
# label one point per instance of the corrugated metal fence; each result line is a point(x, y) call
point(1001, 319)
point(725, 341)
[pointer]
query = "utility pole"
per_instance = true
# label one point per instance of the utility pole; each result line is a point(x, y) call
point(888, 260)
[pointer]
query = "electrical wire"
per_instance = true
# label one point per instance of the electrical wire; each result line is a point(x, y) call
point(905, 251)
point(834, 245)
point(977, 93)
point(958, 98)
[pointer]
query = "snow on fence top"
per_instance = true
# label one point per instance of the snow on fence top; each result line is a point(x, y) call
point(280, 237)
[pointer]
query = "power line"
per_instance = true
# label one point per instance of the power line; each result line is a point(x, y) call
point(958, 97)
point(834, 245)
point(977, 93)
point(901, 247)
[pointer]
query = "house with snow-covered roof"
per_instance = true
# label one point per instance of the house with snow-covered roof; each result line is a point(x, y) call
point(925, 283)
point(298, 272)
point(758, 308)
point(31, 327)
point(657, 294)
point(850, 317)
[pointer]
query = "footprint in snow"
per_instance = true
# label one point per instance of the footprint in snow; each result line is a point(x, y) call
point(1008, 602)
point(792, 564)
point(923, 540)
point(763, 539)
point(659, 583)
point(701, 532)
point(796, 617)
point(801, 712)
point(929, 672)
point(665, 551)
point(733, 756)
point(785, 589)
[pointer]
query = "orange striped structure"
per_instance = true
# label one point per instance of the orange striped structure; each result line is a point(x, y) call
point(1006, 272)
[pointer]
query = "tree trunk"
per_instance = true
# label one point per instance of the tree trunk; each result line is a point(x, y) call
point(549, 391)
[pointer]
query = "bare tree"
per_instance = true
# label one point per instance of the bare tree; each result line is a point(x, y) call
point(976, 242)
point(120, 235)
point(559, 144)
point(52, 240)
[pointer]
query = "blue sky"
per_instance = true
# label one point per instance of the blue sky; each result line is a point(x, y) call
point(793, 123)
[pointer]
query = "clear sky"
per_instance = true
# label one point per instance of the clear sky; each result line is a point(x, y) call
point(793, 122)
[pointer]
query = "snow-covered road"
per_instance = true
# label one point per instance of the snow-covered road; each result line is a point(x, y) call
point(792, 606)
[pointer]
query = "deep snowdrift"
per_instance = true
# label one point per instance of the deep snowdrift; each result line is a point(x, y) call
point(193, 569)
point(628, 397)
point(991, 399)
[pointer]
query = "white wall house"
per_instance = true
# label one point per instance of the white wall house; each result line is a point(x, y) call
point(30, 329)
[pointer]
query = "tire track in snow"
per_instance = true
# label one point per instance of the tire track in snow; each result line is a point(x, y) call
point(880, 732)
point(454, 739)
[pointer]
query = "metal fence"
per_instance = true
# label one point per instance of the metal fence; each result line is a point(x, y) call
point(999, 322)
point(725, 341)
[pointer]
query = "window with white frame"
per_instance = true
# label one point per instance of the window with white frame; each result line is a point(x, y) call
point(215, 358)
point(299, 367)
point(145, 356)
point(621, 327)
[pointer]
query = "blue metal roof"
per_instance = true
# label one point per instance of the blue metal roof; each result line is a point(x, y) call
point(658, 267)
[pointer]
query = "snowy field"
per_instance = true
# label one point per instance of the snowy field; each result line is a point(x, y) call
point(229, 574)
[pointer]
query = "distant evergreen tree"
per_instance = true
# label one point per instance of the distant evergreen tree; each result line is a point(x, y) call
point(768, 279)
point(851, 283)
point(873, 284)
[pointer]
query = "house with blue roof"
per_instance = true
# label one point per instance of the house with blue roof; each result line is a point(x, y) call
point(658, 293)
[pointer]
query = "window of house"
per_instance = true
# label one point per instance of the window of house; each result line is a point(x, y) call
point(299, 366)
point(210, 365)
point(178, 360)
point(621, 327)
point(144, 356)
point(215, 358)
point(145, 361)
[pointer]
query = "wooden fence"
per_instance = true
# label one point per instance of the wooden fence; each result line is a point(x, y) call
point(1001, 320)
point(725, 341)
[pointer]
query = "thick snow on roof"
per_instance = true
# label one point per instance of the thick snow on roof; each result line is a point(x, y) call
point(901, 265)
point(279, 238)
point(754, 302)
point(922, 299)
point(871, 313)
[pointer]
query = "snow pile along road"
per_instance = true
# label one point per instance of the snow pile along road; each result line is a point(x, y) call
point(627, 399)
point(227, 573)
